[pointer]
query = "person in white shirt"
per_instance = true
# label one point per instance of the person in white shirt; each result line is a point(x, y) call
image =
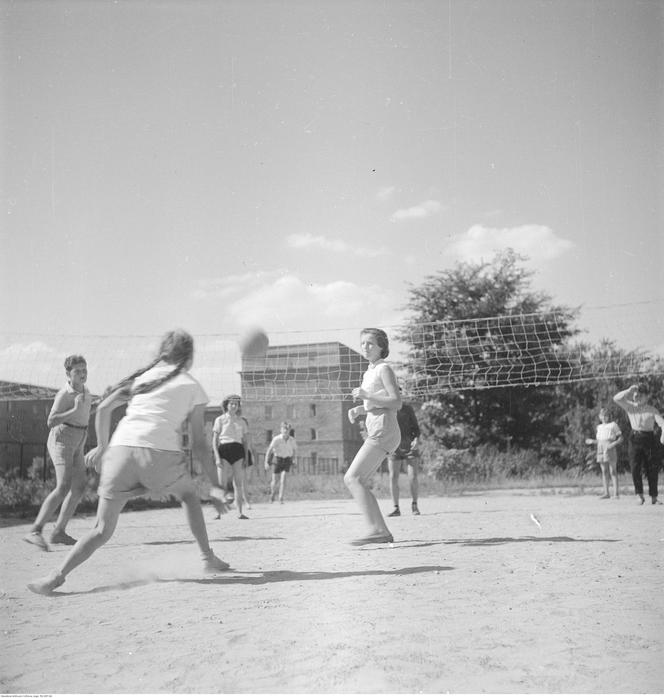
point(642, 456)
point(281, 452)
point(145, 453)
point(607, 438)
point(229, 445)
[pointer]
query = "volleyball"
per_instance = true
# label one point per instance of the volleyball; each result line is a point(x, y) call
point(254, 342)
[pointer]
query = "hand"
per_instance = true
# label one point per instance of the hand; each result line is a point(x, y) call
point(359, 393)
point(78, 399)
point(267, 466)
point(589, 442)
point(352, 415)
point(93, 458)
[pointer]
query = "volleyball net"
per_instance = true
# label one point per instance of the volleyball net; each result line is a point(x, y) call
point(429, 358)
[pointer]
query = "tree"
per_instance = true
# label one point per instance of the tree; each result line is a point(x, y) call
point(482, 326)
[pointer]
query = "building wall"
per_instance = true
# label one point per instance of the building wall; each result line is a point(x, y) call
point(270, 388)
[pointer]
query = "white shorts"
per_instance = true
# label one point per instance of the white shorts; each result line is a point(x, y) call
point(130, 471)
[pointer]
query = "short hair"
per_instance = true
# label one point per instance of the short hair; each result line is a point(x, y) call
point(227, 399)
point(72, 360)
point(642, 389)
point(381, 340)
point(288, 425)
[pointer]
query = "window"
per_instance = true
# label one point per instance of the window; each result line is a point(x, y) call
point(290, 412)
point(268, 412)
point(268, 436)
point(313, 435)
point(312, 410)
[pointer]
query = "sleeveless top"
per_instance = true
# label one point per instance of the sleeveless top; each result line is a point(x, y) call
point(381, 422)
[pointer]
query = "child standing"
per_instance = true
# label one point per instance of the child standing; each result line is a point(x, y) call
point(229, 444)
point(381, 400)
point(608, 436)
point(145, 452)
point(281, 451)
point(68, 424)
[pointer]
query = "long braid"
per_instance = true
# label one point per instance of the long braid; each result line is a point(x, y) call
point(176, 347)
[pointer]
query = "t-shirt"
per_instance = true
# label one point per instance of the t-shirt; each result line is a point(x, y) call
point(229, 430)
point(283, 448)
point(154, 419)
point(605, 434)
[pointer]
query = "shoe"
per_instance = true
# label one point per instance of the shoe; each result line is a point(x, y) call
point(36, 538)
point(46, 585)
point(211, 563)
point(217, 517)
point(396, 512)
point(242, 516)
point(655, 500)
point(642, 499)
point(374, 538)
point(281, 501)
point(273, 496)
point(414, 509)
point(62, 538)
point(605, 496)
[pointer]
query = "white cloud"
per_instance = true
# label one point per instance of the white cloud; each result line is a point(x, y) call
point(537, 242)
point(283, 302)
point(385, 193)
point(422, 210)
point(340, 246)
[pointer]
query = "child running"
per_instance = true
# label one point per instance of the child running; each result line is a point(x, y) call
point(607, 438)
point(381, 400)
point(281, 452)
point(145, 452)
point(68, 424)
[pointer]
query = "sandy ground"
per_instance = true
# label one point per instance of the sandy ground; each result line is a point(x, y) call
point(472, 597)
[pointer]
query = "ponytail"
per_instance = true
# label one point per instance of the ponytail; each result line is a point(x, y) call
point(176, 347)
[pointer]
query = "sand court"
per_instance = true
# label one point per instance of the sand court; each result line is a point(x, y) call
point(473, 596)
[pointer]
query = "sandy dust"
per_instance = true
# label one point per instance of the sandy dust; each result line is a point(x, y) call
point(472, 597)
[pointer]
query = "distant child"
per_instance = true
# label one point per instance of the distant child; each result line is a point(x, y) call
point(381, 399)
point(607, 438)
point(145, 452)
point(68, 424)
point(406, 453)
point(229, 444)
point(642, 457)
point(281, 452)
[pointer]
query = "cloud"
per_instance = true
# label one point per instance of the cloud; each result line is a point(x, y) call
point(385, 193)
point(537, 242)
point(340, 246)
point(283, 302)
point(424, 210)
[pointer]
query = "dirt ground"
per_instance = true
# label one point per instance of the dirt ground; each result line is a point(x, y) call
point(473, 597)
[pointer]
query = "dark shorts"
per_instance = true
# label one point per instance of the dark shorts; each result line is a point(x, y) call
point(281, 465)
point(231, 452)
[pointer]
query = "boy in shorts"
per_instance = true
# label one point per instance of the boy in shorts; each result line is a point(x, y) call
point(281, 452)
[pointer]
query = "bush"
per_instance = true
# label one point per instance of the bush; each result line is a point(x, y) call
point(485, 464)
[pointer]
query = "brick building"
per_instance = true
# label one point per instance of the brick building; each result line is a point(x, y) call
point(272, 388)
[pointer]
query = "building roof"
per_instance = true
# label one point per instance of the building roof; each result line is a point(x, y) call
point(9, 390)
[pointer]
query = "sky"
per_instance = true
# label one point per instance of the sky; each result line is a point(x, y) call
point(299, 165)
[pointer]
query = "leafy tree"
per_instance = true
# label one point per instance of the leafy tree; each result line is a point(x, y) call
point(479, 326)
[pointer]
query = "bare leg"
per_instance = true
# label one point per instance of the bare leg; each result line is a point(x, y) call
point(413, 468)
point(282, 484)
point(238, 485)
point(614, 479)
point(393, 467)
point(108, 512)
point(73, 497)
point(63, 480)
point(364, 465)
point(605, 479)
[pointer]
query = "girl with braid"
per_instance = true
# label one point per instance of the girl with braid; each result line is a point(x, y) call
point(145, 452)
